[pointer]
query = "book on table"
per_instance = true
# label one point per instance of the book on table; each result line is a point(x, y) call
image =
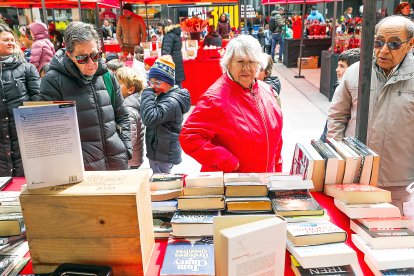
point(12, 239)
point(283, 185)
point(248, 204)
point(230, 220)
point(201, 191)
point(384, 237)
point(11, 224)
point(369, 210)
point(162, 224)
point(4, 181)
point(295, 203)
point(314, 233)
point(204, 179)
point(49, 143)
point(193, 223)
point(325, 216)
point(203, 203)
point(241, 177)
point(358, 193)
point(162, 195)
point(334, 163)
point(164, 206)
point(387, 222)
point(341, 270)
point(242, 189)
point(333, 254)
point(385, 258)
point(352, 160)
point(9, 259)
point(392, 272)
point(255, 248)
point(189, 256)
point(166, 181)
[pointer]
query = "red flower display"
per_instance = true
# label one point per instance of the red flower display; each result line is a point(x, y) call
point(193, 25)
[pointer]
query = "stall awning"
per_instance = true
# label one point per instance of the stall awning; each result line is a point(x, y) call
point(274, 2)
point(56, 4)
point(182, 2)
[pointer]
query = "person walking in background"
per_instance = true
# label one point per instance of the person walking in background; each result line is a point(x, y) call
point(237, 124)
point(212, 38)
point(348, 13)
point(391, 108)
point(78, 73)
point(403, 9)
point(315, 15)
point(131, 30)
point(276, 25)
point(138, 63)
point(163, 105)
point(42, 49)
point(171, 45)
point(265, 74)
point(107, 30)
point(19, 83)
point(55, 36)
point(223, 26)
point(131, 85)
point(268, 39)
point(261, 37)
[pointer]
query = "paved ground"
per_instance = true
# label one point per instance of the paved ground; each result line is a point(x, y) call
point(304, 113)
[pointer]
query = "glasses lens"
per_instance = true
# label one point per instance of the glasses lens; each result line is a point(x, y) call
point(82, 59)
point(95, 56)
point(394, 45)
point(378, 44)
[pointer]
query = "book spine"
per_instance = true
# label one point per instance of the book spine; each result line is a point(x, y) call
point(352, 146)
point(319, 146)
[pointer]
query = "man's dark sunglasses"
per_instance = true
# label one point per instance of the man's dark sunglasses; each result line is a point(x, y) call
point(83, 59)
point(378, 44)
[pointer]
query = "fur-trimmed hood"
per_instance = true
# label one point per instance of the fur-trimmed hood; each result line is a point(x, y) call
point(171, 28)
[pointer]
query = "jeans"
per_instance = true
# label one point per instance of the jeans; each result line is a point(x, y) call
point(160, 167)
point(277, 38)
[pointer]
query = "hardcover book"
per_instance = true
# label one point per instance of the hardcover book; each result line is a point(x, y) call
point(248, 204)
point(189, 256)
point(193, 224)
point(315, 233)
point(370, 210)
point(241, 189)
point(201, 191)
point(384, 223)
point(204, 179)
point(258, 247)
point(283, 185)
point(55, 158)
point(384, 238)
point(161, 195)
point(9, 259)
point(166, 181)
point(295, 203)
point(201, 203)
point(334, 164)
point(162, 224)
point(358, 193)
point(352, 161)
point(11, 224)
point(169, 206)
point(241, 177)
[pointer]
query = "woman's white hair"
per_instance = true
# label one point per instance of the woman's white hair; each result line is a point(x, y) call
point(243, 46)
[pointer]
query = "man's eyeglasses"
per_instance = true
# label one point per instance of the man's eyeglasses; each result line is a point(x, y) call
point(378, 44)
point(154, 83)
point(83, 59)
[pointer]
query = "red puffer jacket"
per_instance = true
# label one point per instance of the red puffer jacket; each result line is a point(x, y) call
point(232, 125)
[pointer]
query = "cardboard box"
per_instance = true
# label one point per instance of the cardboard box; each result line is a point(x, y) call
point(104, 220)
point(309, 62)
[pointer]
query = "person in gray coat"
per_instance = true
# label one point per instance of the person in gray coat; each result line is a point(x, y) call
point(77, 74)
point(19, 83)
point(171, 45)
point(163, 105)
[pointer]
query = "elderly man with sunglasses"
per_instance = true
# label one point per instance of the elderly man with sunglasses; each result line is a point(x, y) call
point(391, 107)
point(78, 74)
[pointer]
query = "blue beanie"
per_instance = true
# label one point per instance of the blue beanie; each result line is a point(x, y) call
point(163, 70)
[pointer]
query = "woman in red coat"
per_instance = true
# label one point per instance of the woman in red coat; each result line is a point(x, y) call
point(237, 124)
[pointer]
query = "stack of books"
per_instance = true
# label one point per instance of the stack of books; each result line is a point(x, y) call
point(246, 193)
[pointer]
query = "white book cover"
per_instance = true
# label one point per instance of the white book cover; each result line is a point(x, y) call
point(297, 229)
point(334, 254)
point(339, 163)
point(351, 161)
point(354, 211)
point(256, 248)
point(284, 185)
point(204, 179)
point(241, 177)
point(50, 144)
point(389, 258)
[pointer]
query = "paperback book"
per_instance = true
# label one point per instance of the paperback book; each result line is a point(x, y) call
point(358, 193)
point(166, 181)
point(4, 181)
point(11, 224)
point(248, 204)
point(295, 203)
point(204, 179)
point(370, 210)
point(315, 233)
point(193, 223)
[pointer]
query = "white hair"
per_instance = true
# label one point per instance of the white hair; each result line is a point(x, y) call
point(243, 46)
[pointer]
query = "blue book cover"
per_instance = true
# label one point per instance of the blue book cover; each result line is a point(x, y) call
point(189, 256)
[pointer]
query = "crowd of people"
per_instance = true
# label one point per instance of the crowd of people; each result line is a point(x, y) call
point(236, 126)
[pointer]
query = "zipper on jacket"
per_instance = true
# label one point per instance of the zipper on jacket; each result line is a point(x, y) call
point(265, 126)
point(101, 126)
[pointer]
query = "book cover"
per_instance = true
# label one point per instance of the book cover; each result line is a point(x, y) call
point(366, 159)
point(241, 189)
point(351, 161)
point(325, 216)
point(369, 210)
point(204, 179)
point(295, 203)
point(9, 259)
point(189, 256)
point(4, 181)
point(201, 203)
point(162, 224)
point(244, 204)
point(11, 224)
point(258, 248)
point(55, 158)
point(384, 223)
point(302, 164)
point(334, 164)
point(161, 195)
point(315, 233)
point(283, 185)
point(343, 270)
point(241, 177)
point(201, 191)
point(193, 224)
point(164, 206)
point(166, 181)
point(358, 193)
point(12, 239)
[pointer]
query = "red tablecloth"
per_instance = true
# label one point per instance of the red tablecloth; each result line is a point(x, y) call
point(112, 48)
point(337, 217)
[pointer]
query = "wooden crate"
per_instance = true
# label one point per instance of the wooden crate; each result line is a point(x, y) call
point(309, 62)
point(105, 220)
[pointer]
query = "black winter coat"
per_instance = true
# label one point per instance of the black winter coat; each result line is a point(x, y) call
point(103, 147)
point(19, 83)
point(214, 39)
point(133, 103)
point(163, 118)
point(171, 45)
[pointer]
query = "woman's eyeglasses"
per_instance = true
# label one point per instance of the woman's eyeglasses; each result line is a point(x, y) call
point(83, 59)
point(378, 44)
point(154, 83)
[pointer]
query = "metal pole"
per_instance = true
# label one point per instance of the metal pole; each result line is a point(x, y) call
point(99, 27)
point(245, 16)
point(146, 14)
point(44, 12)
point(334, 27)
point(80, 9)
point(301, 40)
point(365, 69)
point(239, 4)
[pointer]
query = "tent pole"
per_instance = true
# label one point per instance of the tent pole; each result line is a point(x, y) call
point(80, 9)
point(333, 34)
point(245, 16)
point(146, 14)
point(44, 12)
point(301, 40)
point(239, 14)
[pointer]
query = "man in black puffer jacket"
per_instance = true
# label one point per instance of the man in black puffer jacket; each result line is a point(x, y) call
point(162, 108)
point(171, 45)
point(77, 75)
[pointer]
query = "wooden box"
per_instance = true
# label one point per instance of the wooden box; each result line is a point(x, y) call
point(309, 62)
point(104, 220)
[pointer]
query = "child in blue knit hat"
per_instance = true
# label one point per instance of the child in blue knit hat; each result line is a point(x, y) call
point(163, 105)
